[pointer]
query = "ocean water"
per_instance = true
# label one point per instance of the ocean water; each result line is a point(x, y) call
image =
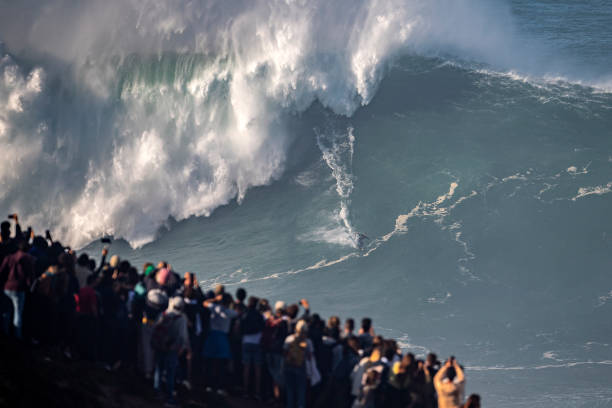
point(250, 142)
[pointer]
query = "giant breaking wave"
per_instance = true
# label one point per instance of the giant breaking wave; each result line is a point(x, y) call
point(140, 110)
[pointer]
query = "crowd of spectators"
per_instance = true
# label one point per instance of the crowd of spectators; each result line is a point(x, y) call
point(178, 335)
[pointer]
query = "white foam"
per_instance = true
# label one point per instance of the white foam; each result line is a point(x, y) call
point(440, 300)
point(337, 149)
point(306, 178)
point(594, 190)
point(203, 87)
point(539, 367)
point(551, 355)
point(603, 299)
point(574, 171)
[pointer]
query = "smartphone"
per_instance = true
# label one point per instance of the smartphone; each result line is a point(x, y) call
point(12, 216)
point(105, 240)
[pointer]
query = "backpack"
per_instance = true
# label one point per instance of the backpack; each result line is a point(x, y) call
point(162, 339)
point(274, 334)
point(296, 354)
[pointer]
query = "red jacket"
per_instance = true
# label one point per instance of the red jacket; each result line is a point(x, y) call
point(17, 271)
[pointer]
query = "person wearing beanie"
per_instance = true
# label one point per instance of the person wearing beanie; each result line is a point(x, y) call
point(170, 339)
point(155, 303)
point(162, 276)
point(149, 270)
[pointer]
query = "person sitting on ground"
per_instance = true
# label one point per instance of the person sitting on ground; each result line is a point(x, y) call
point(252, 325)
point(216, 345)
point(450, 384)
point(297, 349)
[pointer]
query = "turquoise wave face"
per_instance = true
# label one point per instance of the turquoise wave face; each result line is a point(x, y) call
point(453, 184)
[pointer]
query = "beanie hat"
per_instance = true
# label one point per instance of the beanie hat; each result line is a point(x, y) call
point(176, 304)
point(149, 270)
point(157, 299)
point(162, 276)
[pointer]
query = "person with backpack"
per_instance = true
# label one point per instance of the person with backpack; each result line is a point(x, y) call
point(156, 302)
point(297, 350)
point(359, 371)
point(170, 338)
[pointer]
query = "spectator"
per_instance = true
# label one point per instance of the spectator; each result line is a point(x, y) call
point(216, 346)
point(82, 270)
point(366, 335)
point(450, 384)
point(170, 339)
point(16, 274)
point(297, 349)
point(252, 325)
point(273, 337)
point(87, 320)
point(155, 304)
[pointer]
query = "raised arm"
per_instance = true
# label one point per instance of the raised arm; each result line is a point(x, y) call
point(102, 261)
point(209, 302)
point(460, 376)
point(440, 375)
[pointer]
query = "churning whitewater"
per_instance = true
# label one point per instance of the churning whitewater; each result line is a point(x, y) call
point(444, 167)
point(139, 111)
